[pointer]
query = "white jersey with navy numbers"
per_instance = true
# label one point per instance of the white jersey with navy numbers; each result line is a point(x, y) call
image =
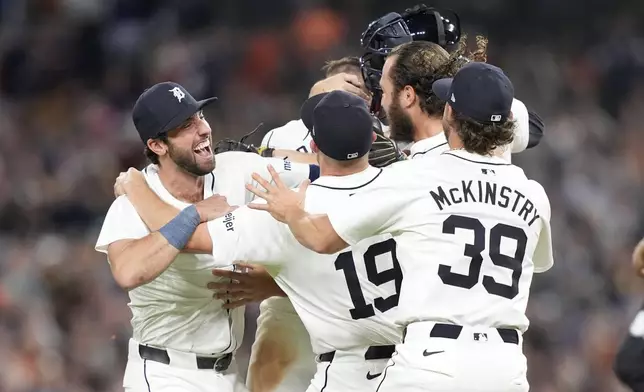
point(346, 300)
point(470, 232)
point(176, 310)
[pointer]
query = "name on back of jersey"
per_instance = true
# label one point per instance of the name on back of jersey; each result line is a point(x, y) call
point(229, 221)
point(487, 192)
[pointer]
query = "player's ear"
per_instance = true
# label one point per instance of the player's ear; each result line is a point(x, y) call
point(448, 112)
point(314, 147)
point(157, 146)
point(407, 96)
point(374, 137)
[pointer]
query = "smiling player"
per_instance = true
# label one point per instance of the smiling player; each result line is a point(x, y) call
point(182, 338)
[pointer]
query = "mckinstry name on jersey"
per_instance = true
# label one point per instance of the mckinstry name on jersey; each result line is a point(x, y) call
point(487, 192)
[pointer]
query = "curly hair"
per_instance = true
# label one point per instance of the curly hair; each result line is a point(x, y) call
point(151, 155)
point(481, 138)
point(420, 63)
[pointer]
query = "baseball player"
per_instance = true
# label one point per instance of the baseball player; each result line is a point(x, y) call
point(282, 358)
point(470, 230)
point(419, 38)
point(345, 300)
point(182, 338)
point(415, 113)
point(630, 357)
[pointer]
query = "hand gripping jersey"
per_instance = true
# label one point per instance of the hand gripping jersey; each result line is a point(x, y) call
point(176, 310)
point(345, 300)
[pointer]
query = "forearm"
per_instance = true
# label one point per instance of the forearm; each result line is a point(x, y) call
point(136, 262)
point(296, 156)
point(143, 260)
point(153, 211)
point(315, 232)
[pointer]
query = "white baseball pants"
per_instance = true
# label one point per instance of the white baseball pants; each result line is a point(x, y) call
point(463, 359)
point(357, 370)
point(181, 375)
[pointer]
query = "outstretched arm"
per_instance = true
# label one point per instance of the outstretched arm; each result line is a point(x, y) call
point(155, 213)
point(291, 155)
point(137, 256)
point(314, 231)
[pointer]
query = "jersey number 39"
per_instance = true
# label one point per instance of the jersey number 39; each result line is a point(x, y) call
point(474, 251)
point(345, 263)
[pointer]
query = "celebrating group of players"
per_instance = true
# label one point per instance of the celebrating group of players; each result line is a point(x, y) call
point(402, 262)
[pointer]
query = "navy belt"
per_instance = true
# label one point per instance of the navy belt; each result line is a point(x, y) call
point(452, 331)
point(373, 352)
point(220, 364)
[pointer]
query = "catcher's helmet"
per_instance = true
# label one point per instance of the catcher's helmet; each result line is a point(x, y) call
point(380, 37)
point(420, 23)
point(442, 27)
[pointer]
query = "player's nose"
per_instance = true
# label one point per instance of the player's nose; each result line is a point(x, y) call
point(203, 129)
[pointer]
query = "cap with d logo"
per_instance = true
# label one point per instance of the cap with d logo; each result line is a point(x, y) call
point(162, 108)
point(479, 91)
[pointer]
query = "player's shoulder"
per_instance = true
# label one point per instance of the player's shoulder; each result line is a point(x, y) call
point(411, 169)
point(276, 137)
point(539, 196)
point(235, 158)
point(327, 190)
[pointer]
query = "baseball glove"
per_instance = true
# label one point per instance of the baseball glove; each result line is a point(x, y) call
point(226, 145)
point(384, 151)
point(234, 145)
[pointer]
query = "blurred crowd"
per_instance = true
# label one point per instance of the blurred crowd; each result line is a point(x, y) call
point(70, 71)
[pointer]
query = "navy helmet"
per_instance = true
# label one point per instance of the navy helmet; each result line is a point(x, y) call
point(420, 23)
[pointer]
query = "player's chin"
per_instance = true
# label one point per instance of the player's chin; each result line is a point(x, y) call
point(205, 162)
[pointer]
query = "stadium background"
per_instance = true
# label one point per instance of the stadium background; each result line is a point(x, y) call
point(71, 69)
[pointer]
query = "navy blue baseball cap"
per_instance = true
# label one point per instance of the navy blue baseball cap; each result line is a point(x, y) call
point(340, 124)
point(479, 91)
point(163, 107)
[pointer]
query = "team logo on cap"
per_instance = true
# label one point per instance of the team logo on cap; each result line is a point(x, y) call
point(495, 118)
point(452, 98)
point(178, 94)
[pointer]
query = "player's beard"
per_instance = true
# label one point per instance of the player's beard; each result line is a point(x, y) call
point(187, 160)
point(401, 127)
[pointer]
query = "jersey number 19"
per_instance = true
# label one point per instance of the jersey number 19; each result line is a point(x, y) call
point(345, 263)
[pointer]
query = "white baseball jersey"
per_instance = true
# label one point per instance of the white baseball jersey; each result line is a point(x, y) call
point(470, 229)
point(345, 300)
point(437, 144)
point(176, 310)
point(291, 136)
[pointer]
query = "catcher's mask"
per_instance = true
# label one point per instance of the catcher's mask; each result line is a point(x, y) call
point(380, 37)
point(429, 24)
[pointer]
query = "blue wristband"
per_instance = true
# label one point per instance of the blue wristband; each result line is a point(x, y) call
point(179, 230)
